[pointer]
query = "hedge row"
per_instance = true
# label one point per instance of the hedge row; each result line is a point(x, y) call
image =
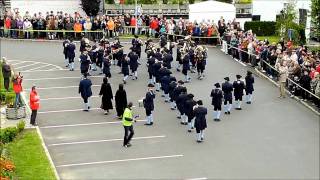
point(261, 28)
point(8, 134)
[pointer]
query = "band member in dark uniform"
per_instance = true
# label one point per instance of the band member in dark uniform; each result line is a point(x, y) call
point(133, 62)
point(200, 123)
point(167, 59)
point(150, 63)
point(190, 103)
point(238, 87)
point(136, 45)
point(249, 87)
point(106, 66)
point(217, 96)
point(65, 47)
point(71, 47)
point(148, 104)
point(125, 68)
point(227, 89)
point(84, 62)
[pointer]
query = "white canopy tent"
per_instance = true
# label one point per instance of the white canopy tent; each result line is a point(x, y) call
point(211, 10)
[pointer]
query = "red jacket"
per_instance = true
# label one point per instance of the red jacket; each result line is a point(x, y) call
point(34, 100)
point(133, 22)
point(7, 23)
point(17, 87)
point(154, 24)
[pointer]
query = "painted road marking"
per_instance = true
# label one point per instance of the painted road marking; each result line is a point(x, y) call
point(62, 87)
point(85, 124)
point(120, 160)
point(27, 65)
point(104, 140)
point(18, 63)
point(66, 110)
point(46, 65)
point(63, 98)
point(35, 61)
point(202, 178)
point(77, 77)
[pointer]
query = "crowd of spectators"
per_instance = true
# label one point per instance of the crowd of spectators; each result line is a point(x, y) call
point(15, 25)
point(279, 60)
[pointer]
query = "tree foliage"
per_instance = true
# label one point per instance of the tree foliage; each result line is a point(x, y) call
point(286, 21)
point(91, 7)
point(315, 16)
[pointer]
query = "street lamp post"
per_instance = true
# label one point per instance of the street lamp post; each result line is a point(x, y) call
point(136, 15)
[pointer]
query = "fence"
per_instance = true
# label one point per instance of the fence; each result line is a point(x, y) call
point(98, 34)
point(292, 85)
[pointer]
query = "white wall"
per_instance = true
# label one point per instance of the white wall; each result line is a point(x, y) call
point(43, 6)
point(268, 9)
point(205, 16)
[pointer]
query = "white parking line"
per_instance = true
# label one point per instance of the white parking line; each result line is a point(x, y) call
point(27, 65)
point(75, 77)
point(62, 87)
point(18, 63)
point(38, 68)
point(202, 178)
point(104, 140)
point(120, 160)
point(49, 70)
point(63, 98)
point(66, 110)
point(86, 124)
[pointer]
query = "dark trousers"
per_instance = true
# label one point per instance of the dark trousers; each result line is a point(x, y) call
point(33, 117)
point(6, 82)
point(148, 112)
point(128, 134)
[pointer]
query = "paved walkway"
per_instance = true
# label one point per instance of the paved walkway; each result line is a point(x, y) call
point(272, 138)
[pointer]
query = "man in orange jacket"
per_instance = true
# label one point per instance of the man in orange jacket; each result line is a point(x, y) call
point(34, 105)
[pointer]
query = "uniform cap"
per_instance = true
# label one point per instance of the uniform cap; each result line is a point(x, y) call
point(217, 85)
point(238, 76)
point(227, 79)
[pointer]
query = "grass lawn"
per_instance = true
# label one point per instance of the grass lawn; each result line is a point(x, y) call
point(270, 38)
point(29, 157)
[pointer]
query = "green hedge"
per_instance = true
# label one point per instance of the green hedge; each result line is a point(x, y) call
point(8, 134)
point(261, 28)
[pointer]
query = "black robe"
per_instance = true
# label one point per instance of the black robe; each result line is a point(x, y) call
point(107, 96)
point(121, 101)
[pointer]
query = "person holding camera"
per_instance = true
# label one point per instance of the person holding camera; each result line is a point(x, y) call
point(17, 87)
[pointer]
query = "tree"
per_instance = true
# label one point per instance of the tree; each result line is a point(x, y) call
point(315, 17)
point(286, 19)
point(91, 7)
point(286, 22)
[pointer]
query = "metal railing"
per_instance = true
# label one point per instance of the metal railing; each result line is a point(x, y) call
point(226, 47)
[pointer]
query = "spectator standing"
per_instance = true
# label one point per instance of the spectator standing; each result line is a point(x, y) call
point(27, 26)
point(283, 75)
point(34, 105)
point(1, 26)
point(111, 27)
point(305, 82)
point(6, 71)
point(17, 87)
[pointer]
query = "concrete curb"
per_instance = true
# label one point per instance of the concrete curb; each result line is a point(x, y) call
point(41, 137)
point(295, 97)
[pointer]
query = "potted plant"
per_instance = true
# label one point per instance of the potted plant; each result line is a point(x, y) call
point(11, 111)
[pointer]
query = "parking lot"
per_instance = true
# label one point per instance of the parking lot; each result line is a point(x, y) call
point(272, 138)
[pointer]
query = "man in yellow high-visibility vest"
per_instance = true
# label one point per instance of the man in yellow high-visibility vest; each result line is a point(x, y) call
point(127, 119)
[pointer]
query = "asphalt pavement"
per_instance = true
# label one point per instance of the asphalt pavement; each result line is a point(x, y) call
point(270, 139)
